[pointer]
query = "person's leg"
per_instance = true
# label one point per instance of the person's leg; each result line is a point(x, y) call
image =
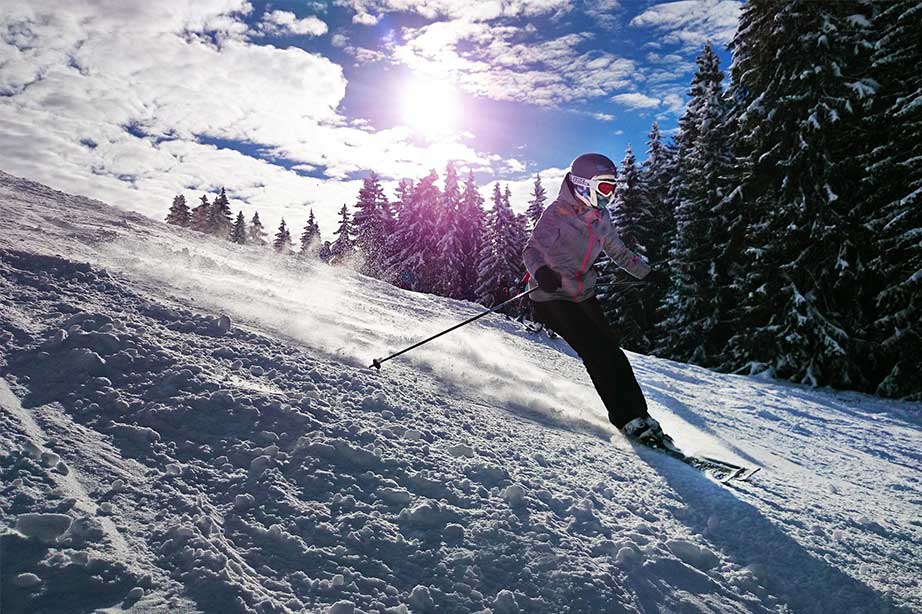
point(631, 402)
point(583, 326)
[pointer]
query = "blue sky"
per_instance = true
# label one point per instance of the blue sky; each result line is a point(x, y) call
point(288, 104)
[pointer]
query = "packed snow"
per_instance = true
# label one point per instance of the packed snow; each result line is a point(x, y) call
point(191, 426)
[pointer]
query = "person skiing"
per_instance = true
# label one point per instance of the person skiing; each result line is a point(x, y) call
point(559, 256)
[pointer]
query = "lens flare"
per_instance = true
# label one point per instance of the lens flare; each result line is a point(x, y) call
point(431, 107)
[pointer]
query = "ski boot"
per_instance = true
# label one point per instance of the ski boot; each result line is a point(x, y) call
point(647, 431)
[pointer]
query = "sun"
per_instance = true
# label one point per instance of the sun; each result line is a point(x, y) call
point(430, 107)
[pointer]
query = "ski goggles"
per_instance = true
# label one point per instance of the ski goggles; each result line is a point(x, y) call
point(600, 186)
point(604, 184)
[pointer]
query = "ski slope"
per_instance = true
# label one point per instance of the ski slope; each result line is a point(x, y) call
point(191, 426)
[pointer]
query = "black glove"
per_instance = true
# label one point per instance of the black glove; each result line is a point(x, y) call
point(548, 279)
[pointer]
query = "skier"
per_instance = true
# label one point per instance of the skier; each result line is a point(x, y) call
point(559, 256)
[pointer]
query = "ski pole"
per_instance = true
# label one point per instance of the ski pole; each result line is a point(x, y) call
point(376, 363)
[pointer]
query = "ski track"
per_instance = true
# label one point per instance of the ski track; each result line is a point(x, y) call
point(262, 467)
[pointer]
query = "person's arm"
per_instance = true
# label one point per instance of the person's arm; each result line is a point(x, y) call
point(540, 243)
point(622, 256)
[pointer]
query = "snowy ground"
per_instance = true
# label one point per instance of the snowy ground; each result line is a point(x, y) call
point(158, 458)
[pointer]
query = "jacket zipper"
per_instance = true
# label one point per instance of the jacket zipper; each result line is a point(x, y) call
point(582, 273)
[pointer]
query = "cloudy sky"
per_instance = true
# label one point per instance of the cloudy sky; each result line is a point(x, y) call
point(288, 104)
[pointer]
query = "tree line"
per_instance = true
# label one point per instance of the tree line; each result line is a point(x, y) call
point(788, 207)
point(440, 241)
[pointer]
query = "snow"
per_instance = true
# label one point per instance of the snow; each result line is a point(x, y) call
point(859, 21)
point(192, 426)
point(43, 527)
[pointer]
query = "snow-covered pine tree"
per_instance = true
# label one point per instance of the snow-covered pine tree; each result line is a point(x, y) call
point(796, 64)
point(450, 247)
point(238, 233)
point(693, 328)
point(200, 218)
point(179, 214)
point(344, 245)
point(282, 241)
point(473, 220)
point(415, 236)
point(622, 298)
point(656, 228)
point(256, 233)
point(893, 197)
point(656, 224)
point(401, 210)
point(310, 237)
point(371, 220)
point(500, 253)
point(536, 204)
point(518, 238)
point(520, 234)
point(222, 220)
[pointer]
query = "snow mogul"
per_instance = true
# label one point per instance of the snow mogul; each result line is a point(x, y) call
point(559, 256)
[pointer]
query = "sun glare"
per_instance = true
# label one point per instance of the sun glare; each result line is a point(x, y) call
point(431, 107)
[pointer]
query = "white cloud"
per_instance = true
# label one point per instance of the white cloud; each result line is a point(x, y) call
point(364, 55)
point(368, 12)
point(339, 40)
point(636, 100)
point(692, 22)
point(602, 117)
point(505, 63)
point(364, 19)
point(286, 22)
point(675, 102)
point(119, 101)
point(604, 13)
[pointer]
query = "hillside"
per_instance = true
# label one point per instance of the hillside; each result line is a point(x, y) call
point(190, 426)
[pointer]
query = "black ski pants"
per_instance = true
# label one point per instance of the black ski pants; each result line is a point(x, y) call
point(584, 327)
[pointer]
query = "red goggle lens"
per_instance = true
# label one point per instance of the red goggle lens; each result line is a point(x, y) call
point(606, 188)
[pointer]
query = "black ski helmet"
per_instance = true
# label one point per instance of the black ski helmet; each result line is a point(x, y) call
point(591, 164)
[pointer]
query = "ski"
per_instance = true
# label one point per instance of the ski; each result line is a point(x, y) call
point(721, 470)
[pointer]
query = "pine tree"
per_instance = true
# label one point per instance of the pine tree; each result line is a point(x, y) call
point(221, 216)
point(238, 233)
point(256, 233)
point(282, 242)
point(518, 238)
point(656, 224)
point(656, 231)
point(450, 247)
point(200, 218)
point(693, 329)
point(795, 68)
point(893, 198)
point(401, 209)
point(371, 221)
point(500, 255)
point(415, 237)
point(536, 204)
point(310, 237)
point(472, 233)
point(623, 300)
point(179, 214)
point(344, 245)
